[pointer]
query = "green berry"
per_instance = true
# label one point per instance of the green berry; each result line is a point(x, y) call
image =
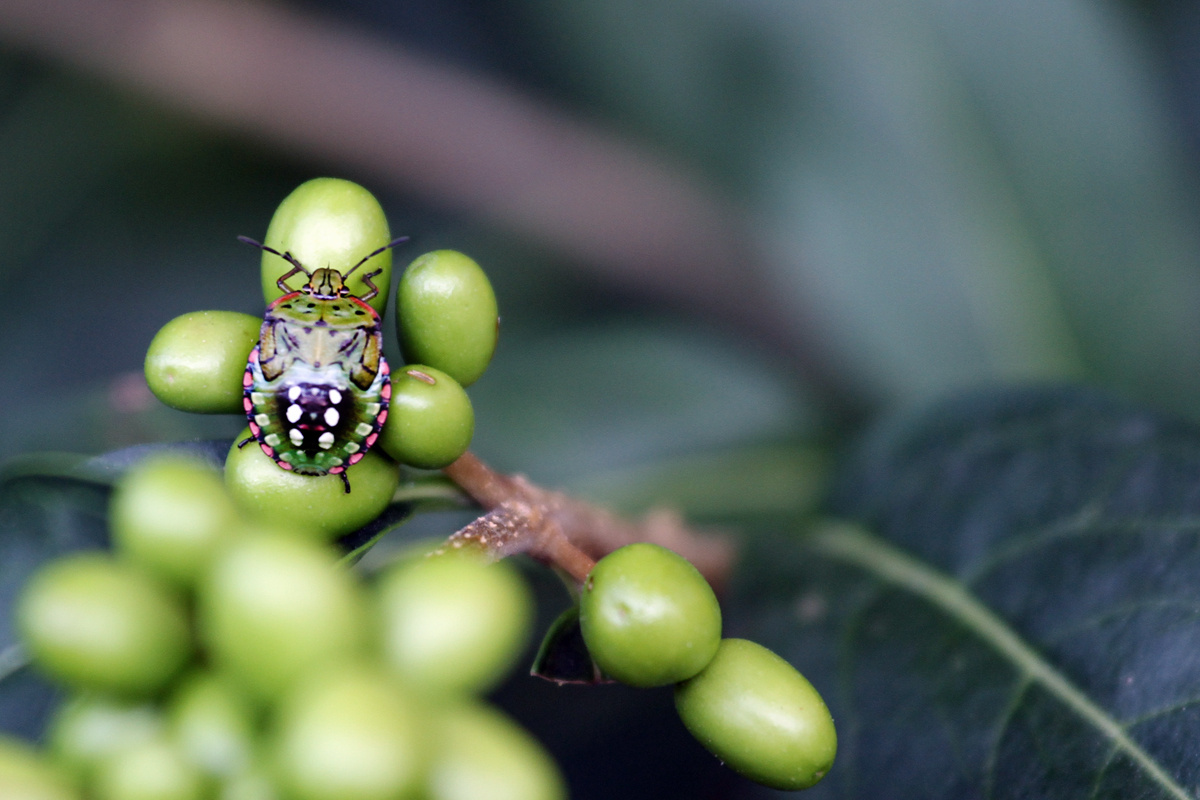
point(196, 361)
point(26, 775)
point(446, 315)
point(275, 608)
point(484, 755)
point(96, 623)
point(648, 616)
point(171, 514)
point(254, 783)
point(89, 728)
point(430, 422)
point(328, 222)
point(316, 506)
point(453, 623)
point(352, 734)
point(760, 716)
point(152, 770)
point(213, 723)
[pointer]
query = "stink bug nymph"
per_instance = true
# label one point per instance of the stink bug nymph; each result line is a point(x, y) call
point(316, 387)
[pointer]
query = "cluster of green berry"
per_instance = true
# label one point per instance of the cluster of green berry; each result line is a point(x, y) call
point(649, 618)
point(221, 653)
point(212, 657)
point(447, 324)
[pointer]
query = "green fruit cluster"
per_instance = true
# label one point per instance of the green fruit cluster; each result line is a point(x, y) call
point(447, 322)
point(649, 618)
point(210, 658)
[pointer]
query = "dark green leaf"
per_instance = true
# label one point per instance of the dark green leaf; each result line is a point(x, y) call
point(1015, 612)
point(563, 656)
point(40, 518)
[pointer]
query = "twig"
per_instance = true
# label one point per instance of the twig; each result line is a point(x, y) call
point(566, 532)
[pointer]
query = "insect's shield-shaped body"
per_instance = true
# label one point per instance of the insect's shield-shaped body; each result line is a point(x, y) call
point(317, 387)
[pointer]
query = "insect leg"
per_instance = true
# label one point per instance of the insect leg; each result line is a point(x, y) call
point(288, 257)
point(345, 480)
point(245, 442)
point(374, 289)
point(282, 282)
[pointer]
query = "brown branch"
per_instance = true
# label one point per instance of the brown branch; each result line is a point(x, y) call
point(569, 533)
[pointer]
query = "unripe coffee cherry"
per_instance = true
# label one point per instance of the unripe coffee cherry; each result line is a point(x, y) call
point(430, 422)
point(26, 775)
point(195, 362)
point(452, 623)
point(93, 622)
point(314, 506)
point(329, 222)
point(275, 608)
point(153, 770)
point(483, 755)
point(90, 727)
point(213, 723)
point(648, 616)
point(171, 514)
point(351, 734)
point(446, 315)
point(760, 716)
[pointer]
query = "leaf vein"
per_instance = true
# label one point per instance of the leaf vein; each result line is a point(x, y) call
point(851, 544)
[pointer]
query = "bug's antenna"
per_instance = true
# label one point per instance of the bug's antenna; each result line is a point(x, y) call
point(367, 258)
point(288, 257)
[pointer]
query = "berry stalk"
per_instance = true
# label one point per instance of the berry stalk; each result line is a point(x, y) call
point(567, 532)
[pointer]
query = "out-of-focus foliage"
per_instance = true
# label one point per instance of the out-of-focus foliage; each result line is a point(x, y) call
point(954, 192)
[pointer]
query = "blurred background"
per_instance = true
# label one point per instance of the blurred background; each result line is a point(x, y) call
point(721, 227)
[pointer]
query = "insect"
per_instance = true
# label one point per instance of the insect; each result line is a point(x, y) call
point(317, 387)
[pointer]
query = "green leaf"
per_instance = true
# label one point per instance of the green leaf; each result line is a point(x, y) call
point(1015, 612)
point(40, 518)
point(563, 656)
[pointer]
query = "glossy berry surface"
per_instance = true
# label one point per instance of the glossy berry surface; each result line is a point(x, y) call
point(195, 362)
point(307, 505)
point(760, 716)
point(649, 618)
point(446, 315)
point(431, 421)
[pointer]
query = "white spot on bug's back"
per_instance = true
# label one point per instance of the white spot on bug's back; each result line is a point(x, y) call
point(363, 429)
point(373, 409)
point(335, 397)
point(296, 436)
point(273, 439)
point(262, 419)
point(258, 398)
point(293, 413)
point(351, 447)
point(325, 440)
point(332, 416)
point(337, 462)
point(293, 393)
